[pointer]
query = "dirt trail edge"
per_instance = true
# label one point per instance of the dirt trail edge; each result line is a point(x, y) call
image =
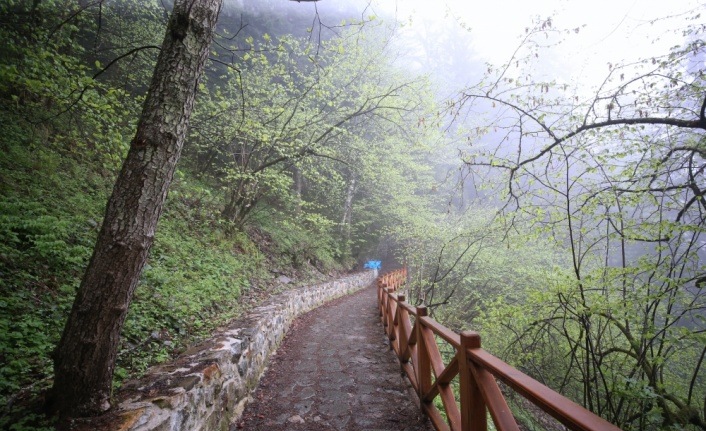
point(334, 371)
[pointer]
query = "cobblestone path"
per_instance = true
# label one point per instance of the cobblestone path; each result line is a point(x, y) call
point(334, 371)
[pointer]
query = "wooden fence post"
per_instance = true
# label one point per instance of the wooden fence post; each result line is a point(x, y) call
point(473, 411)
point(402, 335)
point(424, 362)
point(391, 316)
point(384, 308)
point(379, 286)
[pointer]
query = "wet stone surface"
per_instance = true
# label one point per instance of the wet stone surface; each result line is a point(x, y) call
point(334, 371)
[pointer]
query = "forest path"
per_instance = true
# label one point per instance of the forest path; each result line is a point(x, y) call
point(334, 371)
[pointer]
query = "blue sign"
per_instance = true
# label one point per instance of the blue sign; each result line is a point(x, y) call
point(373, 264)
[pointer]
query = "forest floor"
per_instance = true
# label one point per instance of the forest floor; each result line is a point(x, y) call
point(334, 371)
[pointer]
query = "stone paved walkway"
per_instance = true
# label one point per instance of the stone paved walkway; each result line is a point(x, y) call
point(334, 371)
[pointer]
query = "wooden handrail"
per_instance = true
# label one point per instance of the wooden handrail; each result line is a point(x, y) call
point(478, 371)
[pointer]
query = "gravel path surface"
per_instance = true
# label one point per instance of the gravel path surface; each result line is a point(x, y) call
point(334, 371)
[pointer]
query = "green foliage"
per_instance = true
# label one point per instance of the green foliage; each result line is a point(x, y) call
point(317, 148)
point(191, 285)
point(63, 134)
point(50, 206)
point(47, 81)
point(47, 229)
point(28, 421)
point(309, 241)
point(334, 122)
point(617, 322)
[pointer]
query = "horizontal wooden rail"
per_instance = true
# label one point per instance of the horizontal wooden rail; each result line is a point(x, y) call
point(413, 335)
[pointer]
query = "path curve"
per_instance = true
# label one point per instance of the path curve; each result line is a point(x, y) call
point(334, 371)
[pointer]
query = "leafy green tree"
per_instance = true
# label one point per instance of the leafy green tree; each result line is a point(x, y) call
point(617, 180)
point(316, 119)
point(54, 90)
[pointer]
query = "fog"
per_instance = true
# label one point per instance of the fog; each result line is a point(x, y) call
point(454, 42)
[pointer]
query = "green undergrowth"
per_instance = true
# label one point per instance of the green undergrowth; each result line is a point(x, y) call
point(304, 243)
point(194, 281)
point(47, 229)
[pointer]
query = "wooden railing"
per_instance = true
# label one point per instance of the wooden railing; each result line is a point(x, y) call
point(415, 343)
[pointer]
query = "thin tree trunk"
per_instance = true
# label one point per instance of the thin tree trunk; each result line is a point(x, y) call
point(84, 360)
point(348, 209)
point(298, 187)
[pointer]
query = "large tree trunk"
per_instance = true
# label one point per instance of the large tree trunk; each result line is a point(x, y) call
point(84, 360)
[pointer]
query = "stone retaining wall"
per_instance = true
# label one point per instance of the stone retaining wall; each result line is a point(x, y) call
point(207, 387)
